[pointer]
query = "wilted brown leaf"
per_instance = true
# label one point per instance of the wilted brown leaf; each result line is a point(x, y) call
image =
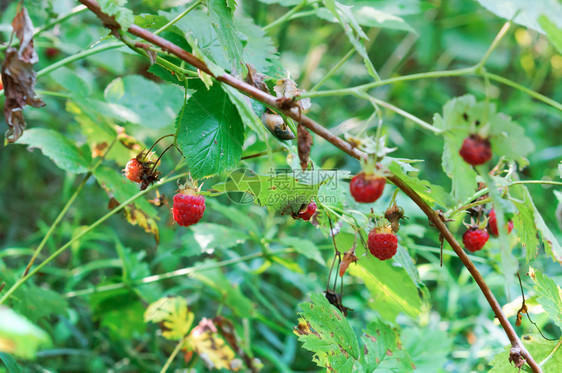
point(304, 145)
point(138, 217)
point(348, 258)
point(287, 89)
point(19, 78)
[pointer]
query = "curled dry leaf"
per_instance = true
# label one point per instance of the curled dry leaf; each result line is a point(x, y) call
point(287, 89)
point(277, 126)
point(348, 258)
point(211, 348)
point(304, 144)
point(19, 78)
point(256, 79)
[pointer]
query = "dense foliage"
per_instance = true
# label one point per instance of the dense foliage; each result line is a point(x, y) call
point(96, 274)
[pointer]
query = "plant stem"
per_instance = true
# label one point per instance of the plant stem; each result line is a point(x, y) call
point(42, 92)
point(22, 280)
point(333, 70)
point(546, 359)
point(180, 16)
point(538, 96)
point(77, 56)
point(285, 17)
point(407, 115)
point(57, 221)
point(173, 355)
point(76, 10)
point(168, 275)
point(404, 78)
point(494, 44)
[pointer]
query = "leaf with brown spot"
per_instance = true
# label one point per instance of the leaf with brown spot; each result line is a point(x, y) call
point(136, 216)
point(19, 78)
point(304, 145)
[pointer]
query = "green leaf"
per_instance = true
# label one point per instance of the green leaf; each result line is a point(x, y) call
point(538, 348)
point(173, 313)
point(19, 337)
point(304, 247)
point(383, 350)
point(524, 220)
point(231, 4)
point(10, 363)
point(228, 35)
point(337, 12)
point(59, 148)
point(123, 16)
point(392, 290)
point(326, 332)
point(369, 16)
point(553, 32)
point(524, 203)
point(549, 295)
point(463, 116)
point(210, 132)
point(279, 191)
point(212, 237)
point(228, 292)
point(428, 347)
point(122, 189)
point(127, 99)
point(259, 50)
point(245, 109)
point(528, 12)
point(165, 74)
point(432, 194)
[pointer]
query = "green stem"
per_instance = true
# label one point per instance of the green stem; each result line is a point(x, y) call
point(173, 355)
point(546, 359)
point(76, 57)
point(77, 10)
point(481, 192)
point(494, 44)
point(42, 92)
point(22, 280)
point(285, 17)
point(333, 70)
point(538, 96)
point(404, 78)
point(407, 115)
point(180, 16)
point(66, 207)
point(57, 221)
point(168, 275)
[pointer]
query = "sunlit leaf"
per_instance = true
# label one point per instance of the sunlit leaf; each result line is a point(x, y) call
point(173, 313)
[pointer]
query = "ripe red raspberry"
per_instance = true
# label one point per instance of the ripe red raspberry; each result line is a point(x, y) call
point(476, 150)
point(133, 170)
point(188, 207)
point(366, 188)
point(306, 214)
point(493, 224)
point(474, 239)
point(382, 243)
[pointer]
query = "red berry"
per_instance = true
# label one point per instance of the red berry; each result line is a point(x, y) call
point(1, 85)
point(366, 188)
point(307, 213)
point(493, 224)
point(133, 170)
point(188, 208)
point(382, 243)
point(51, 52)
point(474, 239)
point(476, 150)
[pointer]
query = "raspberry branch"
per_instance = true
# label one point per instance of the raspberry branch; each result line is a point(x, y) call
point(315, 127)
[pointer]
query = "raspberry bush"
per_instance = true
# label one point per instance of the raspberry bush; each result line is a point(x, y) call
point(333, 154)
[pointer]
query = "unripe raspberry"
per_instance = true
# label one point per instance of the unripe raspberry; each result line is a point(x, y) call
point(476, 150)
point(382, 243)
point(493, 224)
point(366, 188)
point(188, 207)
point(474, 239)
point(133, 170)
